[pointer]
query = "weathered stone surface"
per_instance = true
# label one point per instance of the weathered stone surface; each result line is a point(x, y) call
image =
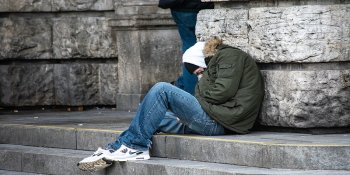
point(108, 83)
point(305, 99)
point(58, 84)
point(82, 5)
point(84, 84)
point(23, 85)
point(283, 34)
point(25, 5)
point(25, 37)
point(302, 98)
point(300, 34)
point(138, 7)
point(148, 52)
point(39, 136)
point(82, 37)
point(10, 160)
point(55, 5)
point(92, 139)
point(231, 25)
point(271, 3)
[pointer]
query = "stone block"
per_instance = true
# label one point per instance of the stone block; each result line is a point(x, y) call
point(267, 152)
point(85, 84)
point(82, 37)
point(137, 7)
point(148, 52)
point(129, 78)
point(158, 73)
point(230, 24)
point(16, 132)
point(50, 161)
point(10, 160)
point(58, 84)
point(26, 85)
point(56, 137)
point(317, 33)
point(38, 136)
point(202, 150)
point(7, 97)
point(128, 102)
point(25, 6)
point(55, 5)
point(300, 34)
point(307, 157)
point(25, 38)
point(159, 146)
point(306, 99)
point(90, 139)
point(62, 81)
point(82, 5)
point(108, 83)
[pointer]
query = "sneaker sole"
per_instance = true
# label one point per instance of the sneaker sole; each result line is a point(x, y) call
point(94, 166)
point(127, 159)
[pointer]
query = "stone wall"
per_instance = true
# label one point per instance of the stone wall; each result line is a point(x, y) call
point(57, 52)
point(64, 52)
point(110, 52)
point(303, 51)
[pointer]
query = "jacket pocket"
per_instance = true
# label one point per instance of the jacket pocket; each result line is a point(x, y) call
point(225, 70)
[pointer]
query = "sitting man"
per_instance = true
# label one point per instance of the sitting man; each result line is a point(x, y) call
point(227, 100)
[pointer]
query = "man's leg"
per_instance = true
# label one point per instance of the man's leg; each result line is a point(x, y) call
point(161, 98)
point(172, 124)
point(133, 144)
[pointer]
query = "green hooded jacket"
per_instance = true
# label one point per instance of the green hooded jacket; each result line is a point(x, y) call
point(231, 89)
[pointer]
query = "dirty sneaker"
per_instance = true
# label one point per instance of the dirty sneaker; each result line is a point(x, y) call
point(96, 161)
point(124, 154)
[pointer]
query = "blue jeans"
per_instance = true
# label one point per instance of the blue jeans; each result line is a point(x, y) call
point(187, 81)
point(153, 115)
point(186, 24)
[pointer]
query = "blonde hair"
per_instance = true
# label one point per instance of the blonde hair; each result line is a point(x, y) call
point(210, 46)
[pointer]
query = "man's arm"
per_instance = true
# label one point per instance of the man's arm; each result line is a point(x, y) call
point(229, 74)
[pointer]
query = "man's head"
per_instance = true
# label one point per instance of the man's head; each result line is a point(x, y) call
point(193, 59)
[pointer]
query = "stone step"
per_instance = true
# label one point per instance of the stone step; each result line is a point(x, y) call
point(42, 160)
point(63, 161)
point(4, 172)
point(88, 130)
point(257, 149)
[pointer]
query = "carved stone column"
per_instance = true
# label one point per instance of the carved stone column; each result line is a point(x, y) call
point(148, 50)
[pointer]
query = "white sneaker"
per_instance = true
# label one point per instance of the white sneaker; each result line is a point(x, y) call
point(124, 154)
point(95, 161)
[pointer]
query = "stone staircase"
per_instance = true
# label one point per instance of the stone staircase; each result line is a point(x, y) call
point(53, 142)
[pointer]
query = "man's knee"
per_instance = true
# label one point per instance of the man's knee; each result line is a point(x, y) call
point(160, 85)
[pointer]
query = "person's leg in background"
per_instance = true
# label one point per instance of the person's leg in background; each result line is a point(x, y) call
point(186, 23)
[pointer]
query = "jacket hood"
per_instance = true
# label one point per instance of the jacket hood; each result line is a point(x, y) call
point(194, 55)
point(210, 48)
